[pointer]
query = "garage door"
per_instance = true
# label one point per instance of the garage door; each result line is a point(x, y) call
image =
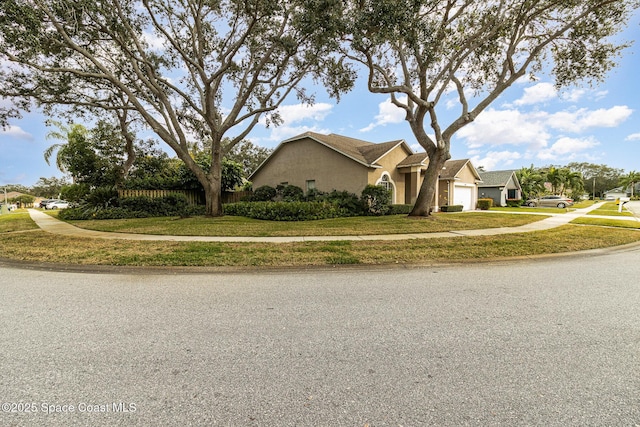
point(463, 196)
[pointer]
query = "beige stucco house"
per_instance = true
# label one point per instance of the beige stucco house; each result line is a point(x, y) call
point(334, 162)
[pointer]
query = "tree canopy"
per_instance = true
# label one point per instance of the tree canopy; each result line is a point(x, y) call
point(186, 69)
point(419, 52)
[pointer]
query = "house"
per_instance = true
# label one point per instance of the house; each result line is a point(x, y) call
point(615, 193)
point(501, 186)
point(334, 162)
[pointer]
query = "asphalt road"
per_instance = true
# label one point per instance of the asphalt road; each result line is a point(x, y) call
point(553, 342)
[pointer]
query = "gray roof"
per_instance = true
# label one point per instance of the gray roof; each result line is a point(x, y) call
point(495, 178)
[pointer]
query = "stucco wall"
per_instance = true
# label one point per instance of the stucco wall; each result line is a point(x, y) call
point(389, 165)
point(298, 161)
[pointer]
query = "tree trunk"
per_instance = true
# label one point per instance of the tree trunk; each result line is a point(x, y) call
point(426, 196)
point(213, 185)
point(213, 199)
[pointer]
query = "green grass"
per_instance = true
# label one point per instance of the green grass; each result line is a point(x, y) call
point(610, 209)
point(16, 221)
point(41, 247)
point(240, 226)
point(38, 246)
point(527, 209)
point(606, 222)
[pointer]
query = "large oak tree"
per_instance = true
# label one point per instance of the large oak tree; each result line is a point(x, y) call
point(419, 51)
point(189, 70)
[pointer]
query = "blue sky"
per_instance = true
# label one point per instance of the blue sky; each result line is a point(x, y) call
point(529, 124)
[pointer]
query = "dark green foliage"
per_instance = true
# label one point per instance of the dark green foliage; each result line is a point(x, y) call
point(347, 201)
point(101, 197)
point(376, 200)
point(95, 207)
point(485, 204)
point(290, 193)
point(515, 203)
point(264, 194)
point(400, 210)
point(75, 192)
point(451, 208)
point(285, 211)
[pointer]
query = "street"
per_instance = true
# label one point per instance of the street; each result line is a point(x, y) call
point(552, 342)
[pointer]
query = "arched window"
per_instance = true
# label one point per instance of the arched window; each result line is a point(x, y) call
point(385, 181)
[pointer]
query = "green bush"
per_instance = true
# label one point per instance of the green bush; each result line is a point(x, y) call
point(515, 203)
point(75, 192)
point(376, 200)
point(264, 194)
point(101, 197)
point(400, 210)
point(345, 200)
point(485, 204)
point(285, 211)
point(291, 193)
point(451, 208)
point(135, 207)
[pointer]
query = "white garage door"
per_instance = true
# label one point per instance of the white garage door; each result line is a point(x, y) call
point(463, 196)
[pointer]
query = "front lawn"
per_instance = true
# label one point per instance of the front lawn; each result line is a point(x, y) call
point(353, 226)
point(610, 209)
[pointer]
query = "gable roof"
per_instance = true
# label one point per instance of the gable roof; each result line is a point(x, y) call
point(449, 171)
point(363, 152)
point(497, 178)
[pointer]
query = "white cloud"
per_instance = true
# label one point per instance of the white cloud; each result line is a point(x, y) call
point(496, 159)
point(387, 114)
point(501, 127)
point(567, 148)
point(535, 129)
point(296, 114)
point(300, 112)
point(582, 119)
point(573, 95)
point(281, 133)
point(17, 132)
point(537, 94)
point(633, 137)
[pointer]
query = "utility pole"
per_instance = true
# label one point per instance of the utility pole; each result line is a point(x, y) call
point(594, 188)
point(4, 202)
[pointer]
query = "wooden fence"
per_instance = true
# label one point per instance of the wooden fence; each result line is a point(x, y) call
point(193, 197)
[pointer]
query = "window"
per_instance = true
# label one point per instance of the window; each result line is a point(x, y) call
point(311, 184)
point(384, 182)
point(511, 193)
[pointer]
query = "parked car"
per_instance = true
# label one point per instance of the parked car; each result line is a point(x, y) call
point(45, 202)
point(550, 202)
point(57, 204)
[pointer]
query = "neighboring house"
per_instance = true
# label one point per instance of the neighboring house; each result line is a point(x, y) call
point(335, 162)
point(615, 193)
point(501, 186)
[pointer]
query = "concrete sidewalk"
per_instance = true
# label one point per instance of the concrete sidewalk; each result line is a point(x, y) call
point(55, 226)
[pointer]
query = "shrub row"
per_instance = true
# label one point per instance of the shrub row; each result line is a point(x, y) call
point(100, 206)
point(286, 211)
point(288, 203)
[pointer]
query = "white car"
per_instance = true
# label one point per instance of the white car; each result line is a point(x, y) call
point(58, 204)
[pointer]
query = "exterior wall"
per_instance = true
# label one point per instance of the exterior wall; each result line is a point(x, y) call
point(389, 165)
point(492, 193)
point(299, 161)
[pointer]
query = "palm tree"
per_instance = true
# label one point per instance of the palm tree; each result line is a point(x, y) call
point(531, 181)
point(556, 178)
point(573, 182)
point(68, 134)
point(630, 180)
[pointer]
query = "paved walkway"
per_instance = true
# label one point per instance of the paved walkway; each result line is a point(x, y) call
point(55, 226)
